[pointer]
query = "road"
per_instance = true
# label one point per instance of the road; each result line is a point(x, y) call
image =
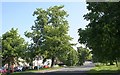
point(74, 70)
point(79, 69)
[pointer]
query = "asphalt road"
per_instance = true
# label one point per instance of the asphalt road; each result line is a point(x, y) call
point(74, 70)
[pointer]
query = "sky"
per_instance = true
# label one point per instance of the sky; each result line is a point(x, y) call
point(19, 15)
point(0, 18)
point(44, 0)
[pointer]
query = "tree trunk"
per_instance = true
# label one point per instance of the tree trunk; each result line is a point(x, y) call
point(116, 63)
point(44, 60)
point(111, 63)
point(8, 68)
point(53, 58)
point(106, 63)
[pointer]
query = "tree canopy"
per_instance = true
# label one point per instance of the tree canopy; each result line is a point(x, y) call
point(83, 55)
point(50, 32)
point(101, 35)
point(13, 46)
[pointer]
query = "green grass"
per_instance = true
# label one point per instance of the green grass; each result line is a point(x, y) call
point(105, 69)
point(34, 71)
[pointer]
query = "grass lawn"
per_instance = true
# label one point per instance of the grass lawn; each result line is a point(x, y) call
point(105, 69)
point(35, 71)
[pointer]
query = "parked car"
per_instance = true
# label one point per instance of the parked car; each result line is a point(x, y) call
point(21, 68)
point(3, 70)
point(18, 68)
point(25, 68)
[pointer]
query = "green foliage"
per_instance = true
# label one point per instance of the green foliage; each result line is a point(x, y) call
point(72, 58)
point(50, 33)
point(101, 35)
point(83, 54)
point(13, 46)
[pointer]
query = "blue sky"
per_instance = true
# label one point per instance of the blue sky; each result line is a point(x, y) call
point(0, 18)
point(43, 0)
point(19, 15)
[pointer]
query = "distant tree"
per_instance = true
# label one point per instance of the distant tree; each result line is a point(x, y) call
point(13, 46)
point(83, 55)
point(72, 59)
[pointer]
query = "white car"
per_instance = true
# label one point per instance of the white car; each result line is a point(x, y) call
point(19, 68)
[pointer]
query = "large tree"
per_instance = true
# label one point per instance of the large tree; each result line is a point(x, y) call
point(102, 33)
point(13, 46)
point(50, 32)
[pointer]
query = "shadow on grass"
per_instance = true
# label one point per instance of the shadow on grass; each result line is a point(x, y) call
point(102, 72)
point(50, 73)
